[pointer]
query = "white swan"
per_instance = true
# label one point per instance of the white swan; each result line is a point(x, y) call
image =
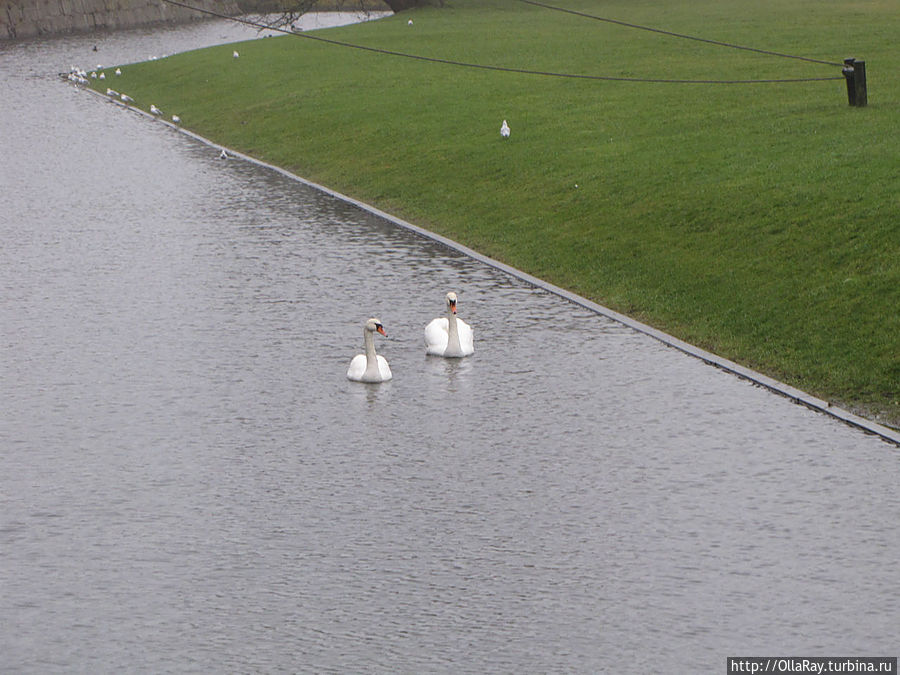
point(370, 367)
point(449, 336)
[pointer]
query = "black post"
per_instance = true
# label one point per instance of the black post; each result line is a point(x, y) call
point(855, 73)
point(849, 74)
point(862, 96)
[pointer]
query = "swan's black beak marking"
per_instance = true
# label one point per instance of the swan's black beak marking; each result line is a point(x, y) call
point(453, 306)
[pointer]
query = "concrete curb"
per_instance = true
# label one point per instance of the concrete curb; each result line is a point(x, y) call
point(796, 395)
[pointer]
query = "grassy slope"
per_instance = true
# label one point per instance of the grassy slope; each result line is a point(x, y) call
point(761, 222)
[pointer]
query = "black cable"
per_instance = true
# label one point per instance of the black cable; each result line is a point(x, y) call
point(678, 35)
point(523, 71)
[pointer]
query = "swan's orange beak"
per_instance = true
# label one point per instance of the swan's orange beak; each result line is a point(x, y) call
point(453, 307)
point(380, 329)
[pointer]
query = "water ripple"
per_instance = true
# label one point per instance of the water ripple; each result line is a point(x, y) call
point(188, 482)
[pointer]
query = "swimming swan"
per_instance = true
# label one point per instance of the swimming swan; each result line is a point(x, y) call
point(370, 367)
point(449, 336)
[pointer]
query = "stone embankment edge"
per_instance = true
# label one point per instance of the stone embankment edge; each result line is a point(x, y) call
point(25, 19)
point(795, 395)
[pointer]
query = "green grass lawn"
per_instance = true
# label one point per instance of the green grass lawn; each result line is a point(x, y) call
point(759, 221)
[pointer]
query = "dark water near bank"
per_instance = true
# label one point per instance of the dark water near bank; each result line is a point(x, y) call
point(189, 483)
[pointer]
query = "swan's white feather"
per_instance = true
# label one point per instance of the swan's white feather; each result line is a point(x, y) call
point(357, 370)
point(437, 337)
point(383, 368)
point(466, 337)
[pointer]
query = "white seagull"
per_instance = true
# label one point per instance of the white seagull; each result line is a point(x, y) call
point(223, 155)
point(176, 119)
point(504, 129)
point(409, 23)
point(126, 98)
point(155, 110)
point(118, 71)
point(101, 76)
point(235, 54)
point(112, 92)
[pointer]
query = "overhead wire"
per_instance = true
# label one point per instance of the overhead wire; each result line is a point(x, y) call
point(506, 69)
point(678, 35)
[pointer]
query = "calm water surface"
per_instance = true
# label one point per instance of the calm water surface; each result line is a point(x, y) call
point(189, 483)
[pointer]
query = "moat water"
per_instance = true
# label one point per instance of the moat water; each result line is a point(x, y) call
point(189, 483)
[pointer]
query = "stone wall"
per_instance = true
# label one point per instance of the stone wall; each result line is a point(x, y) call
point(28, 18)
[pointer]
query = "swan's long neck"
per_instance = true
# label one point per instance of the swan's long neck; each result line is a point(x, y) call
point(452, 334)
point(371, 360)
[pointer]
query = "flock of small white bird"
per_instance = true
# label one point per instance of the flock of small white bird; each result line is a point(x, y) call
point(80, 76)
point(447, 336)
